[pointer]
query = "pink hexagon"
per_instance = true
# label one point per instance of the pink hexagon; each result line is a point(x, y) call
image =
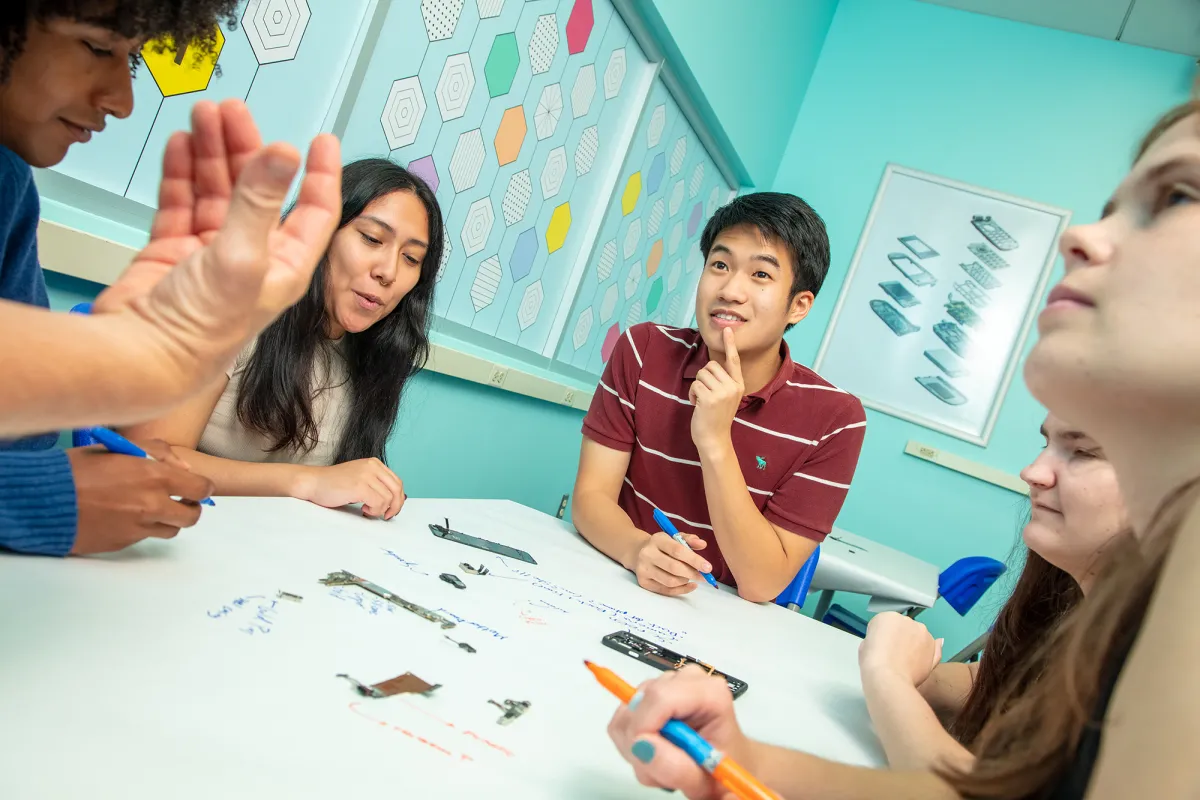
point(694, 220)
point(579, 26)
point(610, 342)
point(426, 170)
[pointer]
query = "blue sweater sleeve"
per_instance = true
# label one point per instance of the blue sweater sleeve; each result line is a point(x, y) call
point(38, 511)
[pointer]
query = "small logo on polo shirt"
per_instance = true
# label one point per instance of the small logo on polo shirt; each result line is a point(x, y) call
point(762, 462)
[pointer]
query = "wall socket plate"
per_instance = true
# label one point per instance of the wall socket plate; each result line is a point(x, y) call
point(569, 397)
point(499, 373)
point(562, 506)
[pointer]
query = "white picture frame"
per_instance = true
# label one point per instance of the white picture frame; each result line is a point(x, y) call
point(942, 290)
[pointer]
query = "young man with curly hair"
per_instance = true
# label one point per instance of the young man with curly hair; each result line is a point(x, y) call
point(217, 265)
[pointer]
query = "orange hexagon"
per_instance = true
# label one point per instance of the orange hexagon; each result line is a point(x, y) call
point(510, 135)
point(654, 259)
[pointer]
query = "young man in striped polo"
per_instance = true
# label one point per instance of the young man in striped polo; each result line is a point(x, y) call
point(749, 453)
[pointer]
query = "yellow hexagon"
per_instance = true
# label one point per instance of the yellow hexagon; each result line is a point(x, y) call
point(556, 231)
point(188, 70)
point(633, 187)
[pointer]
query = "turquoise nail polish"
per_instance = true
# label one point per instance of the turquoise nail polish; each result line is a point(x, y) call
point(643, 751)
point(635, 700)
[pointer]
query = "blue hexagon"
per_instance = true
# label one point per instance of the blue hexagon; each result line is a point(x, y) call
point(521, 263)
point(655, 175)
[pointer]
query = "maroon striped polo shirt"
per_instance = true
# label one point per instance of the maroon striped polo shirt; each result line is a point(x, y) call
point(797, 439)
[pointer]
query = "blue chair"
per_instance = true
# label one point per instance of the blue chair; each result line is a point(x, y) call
point(842, 618)
point(81, 438)
point(962, 583)
point(792, 597)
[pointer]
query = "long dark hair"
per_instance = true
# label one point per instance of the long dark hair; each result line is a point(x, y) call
point(276, 394)
point(1041, 599)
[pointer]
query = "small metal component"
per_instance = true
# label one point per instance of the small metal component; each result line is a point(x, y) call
point(282, 595)
point(343, 578)
point(363, 689)
point(401, 684)
point(463, 645)
point(512, 709)
point(480, 570)
point(453, 580)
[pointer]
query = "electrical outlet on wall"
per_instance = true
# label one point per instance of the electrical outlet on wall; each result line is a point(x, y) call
point(562, 506)
point(569, 397)
point(499, 373)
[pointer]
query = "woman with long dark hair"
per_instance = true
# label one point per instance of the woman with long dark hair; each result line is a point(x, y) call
point(1119, 355)
point(307, 408)
point(929, 714)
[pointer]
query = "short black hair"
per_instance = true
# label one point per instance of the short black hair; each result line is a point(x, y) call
point(785, 218)
point(191, 21)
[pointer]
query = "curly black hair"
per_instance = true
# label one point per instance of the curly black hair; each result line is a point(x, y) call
point(191, 21)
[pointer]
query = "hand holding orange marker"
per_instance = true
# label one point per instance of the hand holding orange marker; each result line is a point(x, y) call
point(725, 770)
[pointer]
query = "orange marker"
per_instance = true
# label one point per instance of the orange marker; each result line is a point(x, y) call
point(725, 770)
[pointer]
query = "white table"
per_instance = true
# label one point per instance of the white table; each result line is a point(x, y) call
point(895, 581)
point(125, 677)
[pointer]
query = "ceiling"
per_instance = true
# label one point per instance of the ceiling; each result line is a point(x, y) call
point(1172, 25)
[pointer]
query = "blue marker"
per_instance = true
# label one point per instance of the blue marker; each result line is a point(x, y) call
point(116, 443)
point(670, 529)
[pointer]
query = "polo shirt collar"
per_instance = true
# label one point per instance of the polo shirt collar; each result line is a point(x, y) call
point(698, 356)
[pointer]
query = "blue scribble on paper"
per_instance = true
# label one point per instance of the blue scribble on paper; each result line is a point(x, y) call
point(479, 626)
point(413, 566)
point(367, 602)
point(254, 614)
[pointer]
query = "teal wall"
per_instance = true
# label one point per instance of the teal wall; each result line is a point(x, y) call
point(1038, 113)
point(752, 60)
point(455, 438)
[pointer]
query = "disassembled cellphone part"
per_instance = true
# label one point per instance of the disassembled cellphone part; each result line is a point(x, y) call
point(660, 657)
point(401, 684)
point(282, 595)
point(453, 580)
point(343, 578)
point(512, 709)
point(463, 645)
point(451, 535)
point(480, 570)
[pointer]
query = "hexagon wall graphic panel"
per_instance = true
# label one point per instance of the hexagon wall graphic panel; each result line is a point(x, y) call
point(609, 304)
point(478, 226)
point(655, 296)
point(441, 17)
point(608, 257)
point(658, 121)
point(585, 151)
point(447, 251)
point(467, 160)
point(549, 109)
point(654, 218)
point(674, 309)
point(629, 197)
point(521, 263)
point(403, 112)
point(678, 154)
point(501, 65)
point(697, 180)
point(632, 280)
point(516, 197)
point(676, 238)
point(531, 304)
point(583, 90)
point(543, 44)
point(673, 274)
point(510, 135)
point(610, 342)
point(489, 8)
point(614, 74)
point(274, 28)
point(178, 73)
point(694, 220)
point(676, 197)
point(454, 86)
point(486, 283)
point(654, 258)
point(714, 200)
point(655, 175)
point(633, 236)
point(554, 172)
point(556, 231)
point(579, 28)
point(583, 328)
point(635, 314)
point(426, 170)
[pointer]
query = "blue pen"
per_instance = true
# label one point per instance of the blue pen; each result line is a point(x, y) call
point(670, 529)
point(116, 443)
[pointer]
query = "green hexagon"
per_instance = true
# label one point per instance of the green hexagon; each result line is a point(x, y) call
point(501, 66)
point(655, 296)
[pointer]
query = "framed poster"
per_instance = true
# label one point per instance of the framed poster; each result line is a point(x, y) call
point(940, 296)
